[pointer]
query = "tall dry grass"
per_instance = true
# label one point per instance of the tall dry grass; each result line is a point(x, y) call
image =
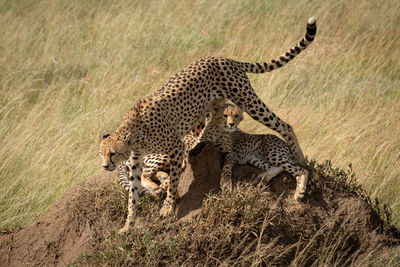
point(70, 69)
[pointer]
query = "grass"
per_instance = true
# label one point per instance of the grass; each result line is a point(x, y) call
point(248, 227)
point(71, 69)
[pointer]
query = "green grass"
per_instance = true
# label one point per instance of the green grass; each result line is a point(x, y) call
point(71, 69)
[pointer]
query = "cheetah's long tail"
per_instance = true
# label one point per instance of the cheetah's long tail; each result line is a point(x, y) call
point(287, 56)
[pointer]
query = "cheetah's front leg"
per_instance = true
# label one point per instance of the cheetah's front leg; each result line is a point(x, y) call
point(176, 159)
point(135, 171)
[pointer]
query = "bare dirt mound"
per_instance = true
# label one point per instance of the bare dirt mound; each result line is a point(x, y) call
point(66, 231)
point(57, 238)
point(259, 224)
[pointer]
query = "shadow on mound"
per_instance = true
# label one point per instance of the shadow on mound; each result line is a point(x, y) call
point(260, 225)
point(199, 180)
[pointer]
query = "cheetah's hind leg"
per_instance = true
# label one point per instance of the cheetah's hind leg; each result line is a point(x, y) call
point(300, 174)
point(259, 111)
point(301, 187)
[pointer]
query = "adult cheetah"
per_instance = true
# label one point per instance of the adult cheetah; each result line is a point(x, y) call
point(157, 123)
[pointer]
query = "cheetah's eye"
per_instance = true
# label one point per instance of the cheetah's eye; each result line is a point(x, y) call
point(225, 116)
point(236, 116)
point(112, 154)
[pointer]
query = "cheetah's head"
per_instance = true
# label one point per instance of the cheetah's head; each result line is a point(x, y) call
point(114, 149)
point(231, 117)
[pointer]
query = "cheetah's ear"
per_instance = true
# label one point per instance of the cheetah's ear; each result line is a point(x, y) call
point(104, 135)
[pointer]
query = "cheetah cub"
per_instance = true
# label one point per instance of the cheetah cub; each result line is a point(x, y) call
point(265, 151)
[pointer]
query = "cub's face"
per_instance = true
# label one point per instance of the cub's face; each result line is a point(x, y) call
point(231, 117)
point(112, 152)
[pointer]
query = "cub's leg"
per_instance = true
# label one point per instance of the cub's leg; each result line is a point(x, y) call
point(123, 176)
point(163, 177)
point(269, 170)
point(226, 175)
point(153, 165)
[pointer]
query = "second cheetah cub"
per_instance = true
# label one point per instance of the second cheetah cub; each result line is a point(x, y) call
point(265, 151)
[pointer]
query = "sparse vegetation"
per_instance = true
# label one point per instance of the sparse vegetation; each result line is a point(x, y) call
point(250, 227)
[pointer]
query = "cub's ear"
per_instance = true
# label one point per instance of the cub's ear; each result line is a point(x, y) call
point(209, 116)
point(104, 135)
point(127, 136)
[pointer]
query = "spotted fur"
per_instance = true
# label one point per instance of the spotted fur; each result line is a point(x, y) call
point(156, 167)
point(157, 123)
point(265, 151)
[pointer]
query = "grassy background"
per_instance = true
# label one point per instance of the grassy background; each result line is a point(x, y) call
point(70, 69)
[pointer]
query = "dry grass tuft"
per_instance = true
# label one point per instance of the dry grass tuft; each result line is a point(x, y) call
point(252, 226)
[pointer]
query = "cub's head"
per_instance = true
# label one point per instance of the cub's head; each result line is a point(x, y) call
point(113, 150)
point(230, 117)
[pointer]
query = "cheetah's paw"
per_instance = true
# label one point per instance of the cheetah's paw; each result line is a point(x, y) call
point(123, 230)
point(299, 195)
point(166, 210)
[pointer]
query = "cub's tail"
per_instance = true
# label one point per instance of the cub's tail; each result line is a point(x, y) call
point(262, 67)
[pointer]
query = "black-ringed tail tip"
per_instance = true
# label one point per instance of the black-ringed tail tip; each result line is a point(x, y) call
point(280, 61)
point(312, 20)
point(311, 29)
